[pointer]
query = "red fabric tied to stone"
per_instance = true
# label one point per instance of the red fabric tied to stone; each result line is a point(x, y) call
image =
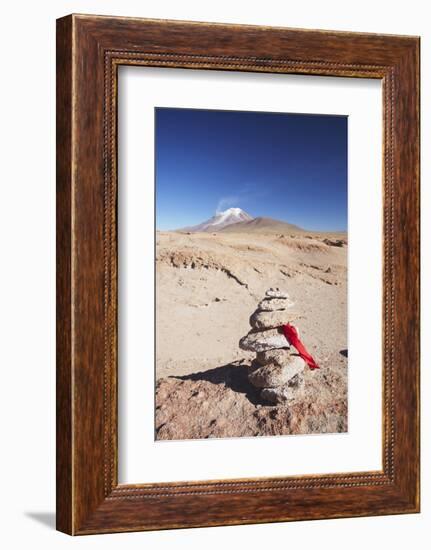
point(292, 337)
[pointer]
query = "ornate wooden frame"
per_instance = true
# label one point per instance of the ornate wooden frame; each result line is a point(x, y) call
point(89, 51)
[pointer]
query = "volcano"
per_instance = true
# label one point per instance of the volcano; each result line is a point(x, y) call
point(220, 220)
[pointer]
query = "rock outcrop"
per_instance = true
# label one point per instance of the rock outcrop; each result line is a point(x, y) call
point(222, 402)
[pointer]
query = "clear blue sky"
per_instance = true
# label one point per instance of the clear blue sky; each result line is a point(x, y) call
point(290, 167)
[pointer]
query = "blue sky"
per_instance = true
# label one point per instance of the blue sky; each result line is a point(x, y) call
point(290, 167)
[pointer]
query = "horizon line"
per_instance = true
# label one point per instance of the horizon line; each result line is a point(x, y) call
point(304, 229)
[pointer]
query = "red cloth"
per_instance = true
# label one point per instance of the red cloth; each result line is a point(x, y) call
point(292, 337)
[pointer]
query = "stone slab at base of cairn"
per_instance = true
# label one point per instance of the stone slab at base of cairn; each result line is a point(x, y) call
point(277, 369)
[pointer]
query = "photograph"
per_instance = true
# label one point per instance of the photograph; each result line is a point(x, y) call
point(251, 274)
point(212, 303)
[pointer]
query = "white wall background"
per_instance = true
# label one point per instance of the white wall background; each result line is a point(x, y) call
point(27, 306)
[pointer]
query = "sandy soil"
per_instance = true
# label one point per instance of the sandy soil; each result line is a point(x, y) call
point(208, 285)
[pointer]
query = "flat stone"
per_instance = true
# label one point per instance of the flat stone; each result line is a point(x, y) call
point(272, 319)
point(280, 357)
point(272, 375)
point(276, 293)
point(283, 394)
point(264, 340)
point(274, 304)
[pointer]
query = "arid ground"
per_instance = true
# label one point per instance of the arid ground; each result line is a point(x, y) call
point(207, 286)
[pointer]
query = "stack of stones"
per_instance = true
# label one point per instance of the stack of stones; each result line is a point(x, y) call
point(277, 369)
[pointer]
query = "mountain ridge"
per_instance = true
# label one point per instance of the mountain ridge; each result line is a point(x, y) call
point(263, 224)
point(236, 220)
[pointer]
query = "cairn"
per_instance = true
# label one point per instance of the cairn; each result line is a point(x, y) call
point(277, 369)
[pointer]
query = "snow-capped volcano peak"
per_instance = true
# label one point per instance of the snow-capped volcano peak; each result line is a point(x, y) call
point(221, 219)
point(232, 215)
point(236, 211)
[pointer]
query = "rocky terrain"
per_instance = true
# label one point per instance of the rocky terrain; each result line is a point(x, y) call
point(207, 287)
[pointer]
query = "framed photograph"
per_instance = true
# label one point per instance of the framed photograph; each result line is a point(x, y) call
point(237, 274)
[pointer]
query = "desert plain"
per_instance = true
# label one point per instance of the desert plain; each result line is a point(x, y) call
point(207, 286)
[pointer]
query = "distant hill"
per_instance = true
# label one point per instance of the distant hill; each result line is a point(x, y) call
point(236, 220)
point(263, 225)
